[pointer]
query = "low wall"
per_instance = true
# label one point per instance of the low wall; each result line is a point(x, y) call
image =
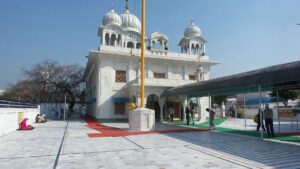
point(288, 113)
point(10, 117)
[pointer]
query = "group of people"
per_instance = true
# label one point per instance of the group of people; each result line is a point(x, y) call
point(189, 115)
point(38, 119)
point(267, 114)
point(189, 112)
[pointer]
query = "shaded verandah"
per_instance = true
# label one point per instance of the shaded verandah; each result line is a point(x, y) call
point(278, 77)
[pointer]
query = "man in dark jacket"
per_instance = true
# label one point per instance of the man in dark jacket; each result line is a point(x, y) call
point(187, 115)
point(211, 118)
point(259, 114)
point(269, 120)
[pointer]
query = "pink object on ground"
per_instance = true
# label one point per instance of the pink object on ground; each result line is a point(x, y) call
point(24, 126)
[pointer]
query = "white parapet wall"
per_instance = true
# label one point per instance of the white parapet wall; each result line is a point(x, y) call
point(10, 117)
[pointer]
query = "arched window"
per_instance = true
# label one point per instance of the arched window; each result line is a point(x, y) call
point(138, 45)
point(130, 45)
point(193, 49)
point(153, 44)
point(119, 41)
point(160, 44)
point(113, 40)
point(165, 46)
point(107, 39)
point(197, 48)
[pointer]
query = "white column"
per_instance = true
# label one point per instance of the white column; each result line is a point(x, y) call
point(103, 38)
point(130, 72)
point(148, 74)
point(198, 74)
point(223, 110)
point(161, 104)
point(109, 37)
point(169, 72)
point(185, 74)
point(184, 104)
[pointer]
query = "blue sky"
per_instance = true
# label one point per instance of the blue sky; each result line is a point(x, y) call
point(242, 34)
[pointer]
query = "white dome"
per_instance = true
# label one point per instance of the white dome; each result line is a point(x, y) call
point(192, 31)
point(158, 35)
point(130, 22)
point(112, 18)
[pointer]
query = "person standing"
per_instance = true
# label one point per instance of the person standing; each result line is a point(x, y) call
point(211, 118)
point(192, 112)
point(269, 121)
point(259, 114)
point(171, 113)
point(187, 115)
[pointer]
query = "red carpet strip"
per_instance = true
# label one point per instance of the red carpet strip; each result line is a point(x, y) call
point(106, 131)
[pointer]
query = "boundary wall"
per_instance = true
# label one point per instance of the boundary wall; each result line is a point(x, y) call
point(11, 117)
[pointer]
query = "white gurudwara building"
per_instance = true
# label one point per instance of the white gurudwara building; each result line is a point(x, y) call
point(112, 74)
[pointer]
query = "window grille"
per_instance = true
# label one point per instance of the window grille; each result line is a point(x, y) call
point(192, 77)
point(159, 75)
point(120, 76)
point(119, 108)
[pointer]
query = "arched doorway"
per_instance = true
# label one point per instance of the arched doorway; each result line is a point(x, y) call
point(130, 45)
point(153, 103)
point(113, 39)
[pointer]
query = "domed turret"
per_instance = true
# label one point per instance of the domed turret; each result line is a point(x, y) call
point(192, 31)
point(130, 22)
point(192, 42)
point(158, 41)
point(112, 18)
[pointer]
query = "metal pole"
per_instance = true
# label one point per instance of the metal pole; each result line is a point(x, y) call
point(245, 111)
point(65, 107)
point(261, 112)
point(209, 105)
point(278, 110)
point(143, 52)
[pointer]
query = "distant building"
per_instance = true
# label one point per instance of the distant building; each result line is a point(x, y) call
point(1, 92)
point(112, 73)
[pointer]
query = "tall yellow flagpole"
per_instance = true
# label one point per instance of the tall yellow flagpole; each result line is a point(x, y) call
point(143, 52)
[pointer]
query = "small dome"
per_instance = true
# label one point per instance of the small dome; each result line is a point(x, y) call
point(192, 31)
point(130, 22)
point(158, 35)
point(112, 18)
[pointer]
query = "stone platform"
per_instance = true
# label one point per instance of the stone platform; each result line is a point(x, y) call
point(59, 144)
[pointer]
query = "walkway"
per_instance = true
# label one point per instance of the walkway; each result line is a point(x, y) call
point(237, 126)
point(59, 144)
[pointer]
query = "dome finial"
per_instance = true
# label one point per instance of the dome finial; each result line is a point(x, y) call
point(112, 6)
point(192, 21)
point(127, 5)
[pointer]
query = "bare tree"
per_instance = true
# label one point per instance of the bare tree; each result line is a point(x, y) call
point(25, 90)
point(49, 77)
point(69, 80)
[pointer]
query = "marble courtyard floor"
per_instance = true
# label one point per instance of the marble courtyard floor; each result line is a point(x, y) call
point(61, 144)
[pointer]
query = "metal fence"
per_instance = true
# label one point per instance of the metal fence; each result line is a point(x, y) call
point(16, 104)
